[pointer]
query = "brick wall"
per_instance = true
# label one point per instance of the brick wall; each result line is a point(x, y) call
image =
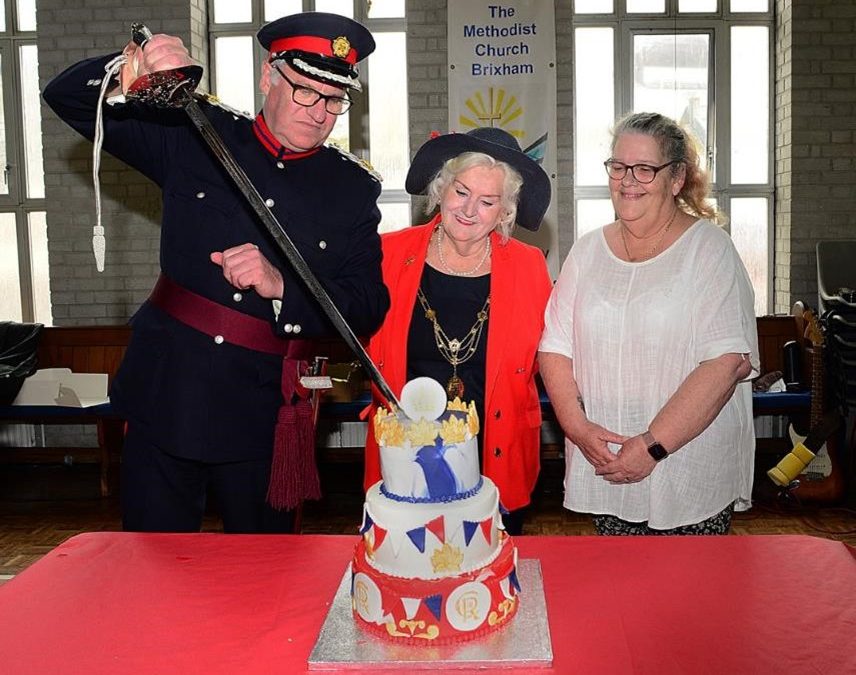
point(815, 138)
point(69, 32)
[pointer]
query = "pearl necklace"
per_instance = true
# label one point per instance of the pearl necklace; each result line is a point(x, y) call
point(466, 273)
point(657, 243)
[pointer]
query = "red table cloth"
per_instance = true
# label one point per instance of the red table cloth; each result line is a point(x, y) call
point(112, 602)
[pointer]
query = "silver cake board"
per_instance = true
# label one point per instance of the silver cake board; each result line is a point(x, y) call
point(525, 642)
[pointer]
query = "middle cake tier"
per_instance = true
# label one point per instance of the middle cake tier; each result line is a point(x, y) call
point(431, 541)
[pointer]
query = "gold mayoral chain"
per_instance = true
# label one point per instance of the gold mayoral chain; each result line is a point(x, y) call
point(453, 350)
point(657, 243)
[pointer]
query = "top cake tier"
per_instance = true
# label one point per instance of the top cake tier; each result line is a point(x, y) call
point(428, 461)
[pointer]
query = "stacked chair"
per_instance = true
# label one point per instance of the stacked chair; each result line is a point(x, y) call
point(836, 290)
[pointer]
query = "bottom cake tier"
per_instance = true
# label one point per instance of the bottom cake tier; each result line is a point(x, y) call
point(436, 611)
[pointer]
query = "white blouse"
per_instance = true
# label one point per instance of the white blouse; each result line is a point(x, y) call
point(635, 331)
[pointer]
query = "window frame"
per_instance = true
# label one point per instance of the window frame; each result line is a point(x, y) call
point(16, 200)
point(718, 24)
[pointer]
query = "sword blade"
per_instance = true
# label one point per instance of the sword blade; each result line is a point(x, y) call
point(286, 245)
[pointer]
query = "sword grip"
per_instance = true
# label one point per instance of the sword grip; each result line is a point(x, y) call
point(140, 34)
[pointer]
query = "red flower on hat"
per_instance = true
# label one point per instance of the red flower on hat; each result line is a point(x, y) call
point(433, 135)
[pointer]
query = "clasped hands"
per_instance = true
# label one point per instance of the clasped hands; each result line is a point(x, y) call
point(631, 464)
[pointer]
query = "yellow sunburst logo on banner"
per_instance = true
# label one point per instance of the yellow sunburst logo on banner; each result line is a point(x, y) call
point(493, 107)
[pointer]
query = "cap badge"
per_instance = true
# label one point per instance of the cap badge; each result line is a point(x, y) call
point(341, 47)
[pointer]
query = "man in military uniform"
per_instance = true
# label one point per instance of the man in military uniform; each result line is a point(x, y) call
point(209, 381)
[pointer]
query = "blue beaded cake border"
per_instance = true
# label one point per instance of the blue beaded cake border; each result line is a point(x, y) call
point(432, 500)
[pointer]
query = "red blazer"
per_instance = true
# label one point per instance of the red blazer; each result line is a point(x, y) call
point(519, 288)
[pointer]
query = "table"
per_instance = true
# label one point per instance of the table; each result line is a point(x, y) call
point(112, 602)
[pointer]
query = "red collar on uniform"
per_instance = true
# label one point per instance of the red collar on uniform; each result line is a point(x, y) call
point(271, 143)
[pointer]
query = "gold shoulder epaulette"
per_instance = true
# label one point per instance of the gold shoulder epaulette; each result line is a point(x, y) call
point(359, 161)
point(211, 99)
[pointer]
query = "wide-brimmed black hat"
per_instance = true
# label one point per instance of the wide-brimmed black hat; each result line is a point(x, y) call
point(325, 47)
point(499, 144)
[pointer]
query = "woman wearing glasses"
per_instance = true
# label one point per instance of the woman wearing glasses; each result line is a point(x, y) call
point(649, 340)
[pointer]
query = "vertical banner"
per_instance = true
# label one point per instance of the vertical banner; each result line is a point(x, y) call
point(502, 73)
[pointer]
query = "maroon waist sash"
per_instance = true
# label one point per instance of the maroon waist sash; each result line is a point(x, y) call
point(294, 475)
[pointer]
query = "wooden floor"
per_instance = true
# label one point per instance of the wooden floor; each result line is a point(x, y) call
point(42, 506)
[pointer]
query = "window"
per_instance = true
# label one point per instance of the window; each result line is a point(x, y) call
point(705, 63)
point(24, 281)
point(376, 126)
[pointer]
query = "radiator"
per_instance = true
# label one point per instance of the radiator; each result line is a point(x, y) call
point(17, 436)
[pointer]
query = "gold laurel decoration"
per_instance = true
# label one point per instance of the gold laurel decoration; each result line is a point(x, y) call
point(379, 418)
point(473, 419)
point(341, 47)
point(393, 433)
point(422, 432)
point(454, 430)
point(457, 404)
point(447, 559)
point(369, 545)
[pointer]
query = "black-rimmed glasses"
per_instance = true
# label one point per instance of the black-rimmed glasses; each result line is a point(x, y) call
point(643, 173)
point(307, 97)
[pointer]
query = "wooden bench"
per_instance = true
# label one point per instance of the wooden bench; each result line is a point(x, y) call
point(83, 349)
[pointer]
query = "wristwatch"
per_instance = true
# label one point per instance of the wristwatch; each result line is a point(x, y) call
point(657, 451)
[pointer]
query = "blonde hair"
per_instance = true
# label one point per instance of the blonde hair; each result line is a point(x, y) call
point(452, 168)
point(680, 146)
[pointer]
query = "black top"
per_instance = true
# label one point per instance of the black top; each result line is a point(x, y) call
point(457, 301)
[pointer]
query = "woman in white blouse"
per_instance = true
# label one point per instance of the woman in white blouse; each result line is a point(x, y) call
point(650, 338)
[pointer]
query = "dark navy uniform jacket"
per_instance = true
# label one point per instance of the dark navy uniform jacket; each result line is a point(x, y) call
point(190, 396)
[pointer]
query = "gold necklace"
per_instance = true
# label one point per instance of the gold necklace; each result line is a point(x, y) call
point(468, 273)
point(657, 243)
point(455, 351)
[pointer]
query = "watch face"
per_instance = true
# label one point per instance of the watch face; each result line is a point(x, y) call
point(658, 452)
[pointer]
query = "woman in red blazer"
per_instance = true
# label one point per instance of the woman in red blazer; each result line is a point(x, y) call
point(468, 301)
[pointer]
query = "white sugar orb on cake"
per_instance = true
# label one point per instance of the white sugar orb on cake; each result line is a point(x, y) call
point(423, 398)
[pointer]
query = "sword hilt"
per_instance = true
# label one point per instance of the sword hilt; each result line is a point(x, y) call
point(140, 34)
point(165, 88)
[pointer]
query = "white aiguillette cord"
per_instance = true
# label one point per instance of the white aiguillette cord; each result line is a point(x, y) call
point(99, 244)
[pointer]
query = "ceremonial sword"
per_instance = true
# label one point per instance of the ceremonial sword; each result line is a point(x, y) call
point(174, 88)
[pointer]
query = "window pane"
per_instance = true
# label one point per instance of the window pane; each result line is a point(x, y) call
point(671, 77)
point(646, 6)
point(384, 9)
point(343, 7)
point(10, 283)
point(234, 83)
point(274, 9)
point(696, 5)
point(750, 6)
point(4, 157)
point(32, 117)
point(749, 231)
point(26, 14)
point(750, 100)
point(594, 100)
point(592, 214)
point(593, 6)
point(394, 216)
point(37, 224)
point(388, 128)
point(233, 11)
